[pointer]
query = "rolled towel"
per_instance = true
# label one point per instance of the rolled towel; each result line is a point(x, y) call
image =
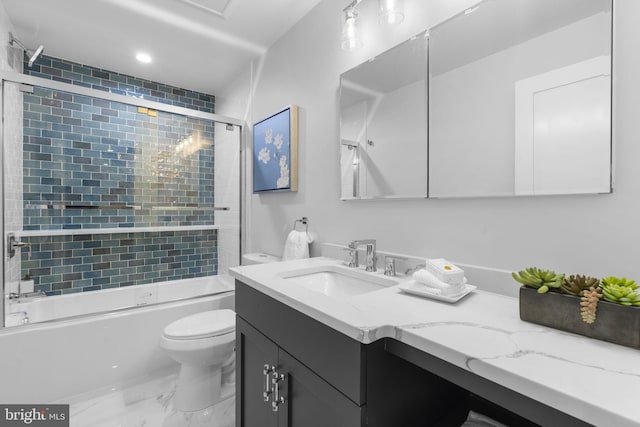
point(431, 281)
point(445, 271)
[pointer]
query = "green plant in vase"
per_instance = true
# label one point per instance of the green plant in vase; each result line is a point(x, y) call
point(542, 280)
point(620, 290)
point(570, 302)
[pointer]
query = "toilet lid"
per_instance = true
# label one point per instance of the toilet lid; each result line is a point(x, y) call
point(202, 325)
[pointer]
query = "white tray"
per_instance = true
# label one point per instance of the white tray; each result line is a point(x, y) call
point(420, 289)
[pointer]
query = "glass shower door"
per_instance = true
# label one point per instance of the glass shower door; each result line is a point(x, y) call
point(101, 194)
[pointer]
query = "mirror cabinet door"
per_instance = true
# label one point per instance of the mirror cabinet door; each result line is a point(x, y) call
point(520, 99)
point(383, 124)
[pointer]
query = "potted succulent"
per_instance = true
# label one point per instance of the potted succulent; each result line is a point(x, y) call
point(606, 309)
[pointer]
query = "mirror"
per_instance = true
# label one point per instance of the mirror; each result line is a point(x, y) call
point(520, 99)
point(383, 124)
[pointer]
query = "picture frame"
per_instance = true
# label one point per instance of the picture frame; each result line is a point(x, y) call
point(275, 152)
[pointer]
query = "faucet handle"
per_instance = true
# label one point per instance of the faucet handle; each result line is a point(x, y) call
point(390, 264)
point(352, 262)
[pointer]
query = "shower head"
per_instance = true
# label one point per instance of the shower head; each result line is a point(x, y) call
point(33, 55)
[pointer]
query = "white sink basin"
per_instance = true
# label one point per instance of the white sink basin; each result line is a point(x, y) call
point(338, 282)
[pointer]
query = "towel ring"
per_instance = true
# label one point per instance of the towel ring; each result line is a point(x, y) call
point(304, 221)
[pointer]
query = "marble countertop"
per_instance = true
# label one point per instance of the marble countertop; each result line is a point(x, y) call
point(589, 379)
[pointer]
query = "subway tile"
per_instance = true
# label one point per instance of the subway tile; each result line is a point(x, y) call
point(119, 132)
point(101, 281)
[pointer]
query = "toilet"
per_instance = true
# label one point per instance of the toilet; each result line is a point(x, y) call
point(258, 258)
point(203, 344)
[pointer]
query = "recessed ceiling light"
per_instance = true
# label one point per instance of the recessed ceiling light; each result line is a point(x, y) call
point(143, 57)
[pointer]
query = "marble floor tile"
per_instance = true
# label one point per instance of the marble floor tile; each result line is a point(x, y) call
point(147, 403)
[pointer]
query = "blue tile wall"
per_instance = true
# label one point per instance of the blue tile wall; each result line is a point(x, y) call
point(90, 163)
point(86, 262)
point(97, 78)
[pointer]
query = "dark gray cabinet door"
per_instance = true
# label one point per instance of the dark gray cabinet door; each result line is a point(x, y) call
point(253, 352)
point(310, 401)
point(307, 399)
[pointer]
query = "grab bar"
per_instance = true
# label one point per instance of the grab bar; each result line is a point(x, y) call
point(119, 207)
point(60, 206)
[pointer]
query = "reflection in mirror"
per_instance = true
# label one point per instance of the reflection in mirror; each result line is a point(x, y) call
point(520, 99)
point(383, 124)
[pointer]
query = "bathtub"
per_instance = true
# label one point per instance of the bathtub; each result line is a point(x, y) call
point(43, 309)
point(96, 339)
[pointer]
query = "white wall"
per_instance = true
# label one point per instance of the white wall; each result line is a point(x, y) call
point(593, 234)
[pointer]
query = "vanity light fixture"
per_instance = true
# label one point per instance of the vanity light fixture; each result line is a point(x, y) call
point(389, 12)
point(145, 58)
point(351, 38)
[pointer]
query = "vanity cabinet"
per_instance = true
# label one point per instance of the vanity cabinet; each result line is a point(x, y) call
point(286, 376)
point(315, 376)
point(324, 378)
point(277, 390)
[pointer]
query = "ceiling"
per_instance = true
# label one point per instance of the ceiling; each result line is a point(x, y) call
point(200, 45)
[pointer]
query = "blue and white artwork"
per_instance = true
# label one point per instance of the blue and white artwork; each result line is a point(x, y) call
point(272, 153)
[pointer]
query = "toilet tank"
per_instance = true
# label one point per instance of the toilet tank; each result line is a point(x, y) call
point(258, 258)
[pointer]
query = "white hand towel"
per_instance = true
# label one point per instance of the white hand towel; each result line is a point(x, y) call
point(425, 277)
point(297, 245)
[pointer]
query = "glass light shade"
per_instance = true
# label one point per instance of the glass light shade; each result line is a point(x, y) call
point(390, 11)
point(350, 32)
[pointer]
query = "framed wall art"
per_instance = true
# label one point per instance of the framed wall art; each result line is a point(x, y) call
point(275, 152)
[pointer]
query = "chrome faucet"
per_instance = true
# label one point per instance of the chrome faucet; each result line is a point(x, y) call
point(370, 253)
point(390, 264)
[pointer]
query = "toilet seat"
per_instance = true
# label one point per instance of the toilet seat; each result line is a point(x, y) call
point(202, 325)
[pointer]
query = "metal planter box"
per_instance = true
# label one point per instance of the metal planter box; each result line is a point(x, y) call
point(615, 323)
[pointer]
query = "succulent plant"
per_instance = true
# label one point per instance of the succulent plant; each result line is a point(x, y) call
point(589, 303)
point(620, 290)
point(536, 278)
point(577, 284)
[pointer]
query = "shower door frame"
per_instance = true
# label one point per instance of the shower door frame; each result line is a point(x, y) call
point(23, 79)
